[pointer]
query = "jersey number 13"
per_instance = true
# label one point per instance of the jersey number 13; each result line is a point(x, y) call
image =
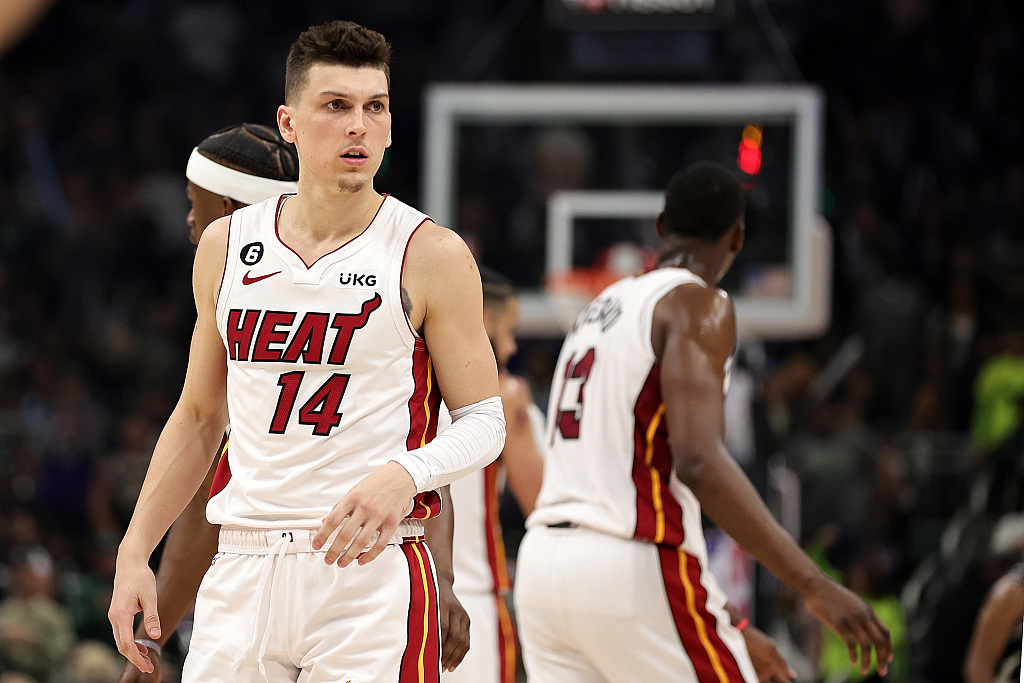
point(569, 419)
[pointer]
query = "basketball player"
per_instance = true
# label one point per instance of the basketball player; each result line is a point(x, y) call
point(235, 167)
point(329, 325)
point(481, 579)
point(612, 581)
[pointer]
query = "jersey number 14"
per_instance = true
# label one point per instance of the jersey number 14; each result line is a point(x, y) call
point(321, 411)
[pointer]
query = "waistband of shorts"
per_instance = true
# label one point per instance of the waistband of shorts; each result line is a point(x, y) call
point(256, 541)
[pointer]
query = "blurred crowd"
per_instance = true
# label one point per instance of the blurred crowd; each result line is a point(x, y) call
point(886, 420)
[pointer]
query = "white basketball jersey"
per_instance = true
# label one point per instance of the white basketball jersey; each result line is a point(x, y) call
point(609, 464)
point(326, 379)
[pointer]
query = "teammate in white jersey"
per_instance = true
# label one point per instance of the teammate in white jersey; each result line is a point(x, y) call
point(612, 581)
point(228, 170)
point(329, 325)
point(481, 578)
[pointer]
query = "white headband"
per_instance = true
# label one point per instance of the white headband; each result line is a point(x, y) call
point(242, 187)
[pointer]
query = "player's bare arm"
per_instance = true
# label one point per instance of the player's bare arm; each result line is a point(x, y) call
point(447, 309)
point(524, 466)
point(768, 663)
point(181, 458)
point(999, 615)
point(440, 532)
point(693, 335)
point(443, 284)
point(188, 551)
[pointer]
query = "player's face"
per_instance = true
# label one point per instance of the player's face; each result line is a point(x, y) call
point(340, 123)
point(206, 208)
point(500, 323)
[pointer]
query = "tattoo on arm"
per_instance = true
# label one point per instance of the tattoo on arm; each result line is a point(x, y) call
point(406, 302)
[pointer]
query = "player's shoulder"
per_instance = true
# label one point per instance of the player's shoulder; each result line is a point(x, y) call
point(211, 255)
point(436, 240)
point(697, 308)
point(440, 252)
point(1008, 589)
point(513, 390)
point(213, 243)
point(516, 400)
point(217, 231)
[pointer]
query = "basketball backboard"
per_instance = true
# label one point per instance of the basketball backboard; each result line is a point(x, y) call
point(782, 289)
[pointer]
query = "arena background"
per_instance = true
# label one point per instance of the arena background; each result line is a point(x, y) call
point(891, 443)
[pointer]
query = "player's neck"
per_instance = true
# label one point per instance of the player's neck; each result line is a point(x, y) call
point(320, 216)
point(694, 257)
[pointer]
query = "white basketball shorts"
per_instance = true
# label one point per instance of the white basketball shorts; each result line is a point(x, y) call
point(492, 642)
point(593, 608)
point(271, 610)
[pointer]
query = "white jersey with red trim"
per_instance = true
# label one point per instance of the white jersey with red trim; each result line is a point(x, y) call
point(326, 379)
point(609, 464)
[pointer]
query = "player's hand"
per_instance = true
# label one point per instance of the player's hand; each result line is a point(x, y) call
point(131, 674)
point(853, 620)
point(134, 592)
point(768, 663)
point(376, 505)
point(454, 626)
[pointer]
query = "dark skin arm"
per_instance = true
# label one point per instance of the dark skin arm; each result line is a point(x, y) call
point(769, 665)
point(523, 463)
point(454, 619)
point(1001, 612)
point(693, 335)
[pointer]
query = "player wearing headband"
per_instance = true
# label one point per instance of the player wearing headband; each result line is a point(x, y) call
point(233, 168)
point(330, 324)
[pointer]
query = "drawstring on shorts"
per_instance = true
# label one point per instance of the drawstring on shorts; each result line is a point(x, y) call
point(268, 574)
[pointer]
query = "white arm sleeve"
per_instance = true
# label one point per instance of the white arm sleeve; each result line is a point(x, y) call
point(474, 440)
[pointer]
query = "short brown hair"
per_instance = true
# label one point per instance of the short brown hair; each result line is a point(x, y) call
point(335, 42)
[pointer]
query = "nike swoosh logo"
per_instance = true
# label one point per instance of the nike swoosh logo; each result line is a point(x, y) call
point(246, 280)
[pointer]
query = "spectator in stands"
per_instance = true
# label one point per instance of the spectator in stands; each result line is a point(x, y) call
point(118, 477)
point(999, 391)
point(35, 632)
point(834, 458)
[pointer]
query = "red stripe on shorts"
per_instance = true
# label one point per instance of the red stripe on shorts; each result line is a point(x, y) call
point(492, 531)
point(506, 643)
point(697, 627)
point(421, 661)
